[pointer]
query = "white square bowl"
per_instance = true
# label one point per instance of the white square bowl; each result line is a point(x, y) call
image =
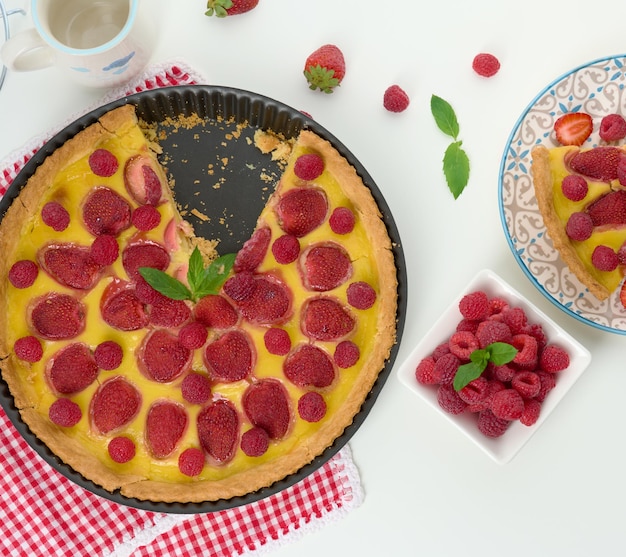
point(505, 447)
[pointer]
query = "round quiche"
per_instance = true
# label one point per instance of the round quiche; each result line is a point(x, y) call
point(154, 366)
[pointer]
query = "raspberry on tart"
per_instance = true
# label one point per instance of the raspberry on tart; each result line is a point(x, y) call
point(197, 399)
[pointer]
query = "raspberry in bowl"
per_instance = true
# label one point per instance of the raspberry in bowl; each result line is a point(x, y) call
point(494, 365)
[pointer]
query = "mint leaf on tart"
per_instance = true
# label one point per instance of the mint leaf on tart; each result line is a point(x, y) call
point(498, 353)
point(202, 280)
point(456, 164)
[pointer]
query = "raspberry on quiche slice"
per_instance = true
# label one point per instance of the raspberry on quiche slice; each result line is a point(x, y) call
point(190, 400)
point(581, 194)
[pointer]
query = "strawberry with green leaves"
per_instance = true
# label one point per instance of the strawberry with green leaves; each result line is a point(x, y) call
point(325, 68)
point(223, 8)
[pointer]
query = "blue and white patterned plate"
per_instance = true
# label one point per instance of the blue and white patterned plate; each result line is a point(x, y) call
point(597, 88)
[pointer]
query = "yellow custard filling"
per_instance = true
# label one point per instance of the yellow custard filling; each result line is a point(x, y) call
point(70, 188)
point(565, 207)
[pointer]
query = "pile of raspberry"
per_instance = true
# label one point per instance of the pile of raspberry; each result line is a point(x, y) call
point(503, 393)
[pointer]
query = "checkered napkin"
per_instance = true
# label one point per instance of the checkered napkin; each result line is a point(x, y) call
point(43, 513)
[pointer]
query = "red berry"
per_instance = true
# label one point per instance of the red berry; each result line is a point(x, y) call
point(604, 258)
point(28, 349)
point(530, 415)
point(548, 382)
point(325, 68)
point(105, 249)
point(361, 295)
point(485, 64)
point(395, 99)
point(462, 344)
point(475, 391)
point(277, 341)
point(474, 306)
point(553, 359)
point(450, 400)
point(193, 335)
point(55, 216)
point(612, 127)
point(103, 163)
point(191, 462)
point(342, 220)
point(108, 355)
point(573, 128)
point(490, 425)
point(579, 226)
point(146, 217)
point(424, 371)
point(492, 331)
point(308, 167)
point(507, 404)
point(526, 383)
point(311, 406)
point(255, 441)
point(23, 273)
point(527, 350)
point(121, 449)
point(196, 388)
point(346, 354)
point(64, 412)
point(286, 249)
point(574, 187)
point(445, 368)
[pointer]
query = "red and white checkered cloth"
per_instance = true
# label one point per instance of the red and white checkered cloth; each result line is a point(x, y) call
point(43, 513)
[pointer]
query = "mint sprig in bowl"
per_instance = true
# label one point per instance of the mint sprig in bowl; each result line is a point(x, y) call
point(481, 361)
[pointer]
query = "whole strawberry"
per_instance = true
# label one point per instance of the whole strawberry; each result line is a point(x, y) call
point(324, 68)
point(223, 8)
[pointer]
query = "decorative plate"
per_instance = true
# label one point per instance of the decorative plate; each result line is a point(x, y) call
point(597, 88)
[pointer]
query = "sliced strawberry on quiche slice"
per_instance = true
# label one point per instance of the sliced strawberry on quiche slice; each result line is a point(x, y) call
point(581, 194)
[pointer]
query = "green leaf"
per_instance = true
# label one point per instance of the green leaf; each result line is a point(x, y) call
point(456, 168)
point(165, 284)
point(195, 271)
point(501, 353)
point(444, 115)
point(467, 373)
point(213, 276)
point(480, 356)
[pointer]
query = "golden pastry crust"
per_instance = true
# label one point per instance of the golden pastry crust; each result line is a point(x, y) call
point(247, 478)
point(543, 184)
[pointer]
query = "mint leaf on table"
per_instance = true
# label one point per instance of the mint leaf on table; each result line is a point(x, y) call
point(456, 165)
point(444, 115)
point(498, 353)
point(456, 168)
point(202, 280)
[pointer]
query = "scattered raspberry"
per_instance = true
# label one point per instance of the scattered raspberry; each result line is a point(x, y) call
point(445, 368)
point(424, 371)
point(64, 412)
point(255, 442)
point(55, 216)
point(526, 383)
point(308, 167)
point(28, 349)
point(515, 319)
point(462, 344)
point(346, 354)
point(574, 187)
point(604, 258)
point(553, 359)
point(361, 295)
point(503, 373)
point(536, 330)
point(105, 249)
point(612, 127)
point(579, 226)
point(527, 350)
point(475, 391)
point(474, 306)
point(497, 307)
point(490, 425)
point(277, 341)
point(121, 449)
point(193, 335)
point(492, 331)
point(485, 64)
point(450, 400)
point(146, 217)
point(23, 273)
point(395, 99)
point(530, 415)
point(469, 325)
point(311, 407)
point(441, 350)
point(196, 388)
point(191, 462)
point(103, 163)
point(108, 355)
point(507, 404)
point(342, 220)
point(286, 249)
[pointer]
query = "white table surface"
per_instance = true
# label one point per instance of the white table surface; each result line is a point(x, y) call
point(429, 491)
